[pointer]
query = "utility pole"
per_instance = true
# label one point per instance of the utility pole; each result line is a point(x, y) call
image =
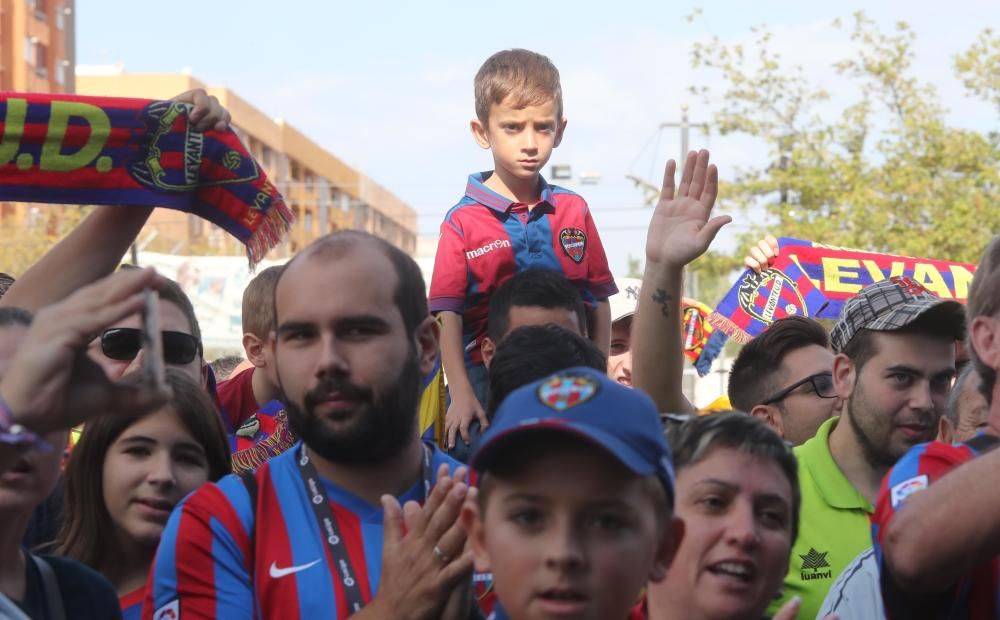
point(691, 288)
point(650, 191)
point(685, 127)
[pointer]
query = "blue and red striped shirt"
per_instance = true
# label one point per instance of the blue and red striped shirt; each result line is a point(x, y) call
point(485, 239)
point(975, 595)
point(219, 557)
point(131, 604)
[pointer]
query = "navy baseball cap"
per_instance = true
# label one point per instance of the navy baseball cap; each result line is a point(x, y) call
point(583, 402)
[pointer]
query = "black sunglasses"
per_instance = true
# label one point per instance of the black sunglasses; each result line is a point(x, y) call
point(822, 384)
point(123, 343)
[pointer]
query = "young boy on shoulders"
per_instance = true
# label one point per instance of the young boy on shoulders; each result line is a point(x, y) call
point(574, 509)
point(509, 220)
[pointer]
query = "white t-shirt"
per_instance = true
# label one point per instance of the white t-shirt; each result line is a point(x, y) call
point(857, 593)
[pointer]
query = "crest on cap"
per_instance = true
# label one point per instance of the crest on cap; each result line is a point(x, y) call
point(563, 392)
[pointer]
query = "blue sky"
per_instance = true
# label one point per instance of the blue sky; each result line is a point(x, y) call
point(387, 86)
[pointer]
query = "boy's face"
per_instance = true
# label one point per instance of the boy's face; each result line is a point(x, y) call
point(521, 139)
point(570, 533)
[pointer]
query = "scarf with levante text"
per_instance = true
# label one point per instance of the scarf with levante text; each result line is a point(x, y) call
point(814, 280)
point(69, 149)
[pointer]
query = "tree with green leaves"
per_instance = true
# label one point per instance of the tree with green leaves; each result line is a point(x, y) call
point(887, 173)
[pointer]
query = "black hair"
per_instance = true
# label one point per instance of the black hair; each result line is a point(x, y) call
point(533, 287)
point(536, 351)
point(753, 376)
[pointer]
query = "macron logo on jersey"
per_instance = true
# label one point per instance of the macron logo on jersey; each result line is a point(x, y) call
point(486, 249)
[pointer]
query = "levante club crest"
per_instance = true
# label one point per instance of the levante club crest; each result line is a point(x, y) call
point(172, 160)
point(770, 295)
point(574, 243)
point(565, 391)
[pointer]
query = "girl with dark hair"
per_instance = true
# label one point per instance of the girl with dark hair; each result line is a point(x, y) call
point(124, 478)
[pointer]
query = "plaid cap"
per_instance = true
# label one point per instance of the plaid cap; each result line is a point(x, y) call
point(890, 305)
point(584, 402)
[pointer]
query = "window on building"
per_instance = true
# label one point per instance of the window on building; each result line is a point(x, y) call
point(61, 72)
point(60, 17)
point(41, 60)
point(307, 222)
point(29, 51)
point(267, 158)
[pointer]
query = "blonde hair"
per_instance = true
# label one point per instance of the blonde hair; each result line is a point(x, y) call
point(528, 77)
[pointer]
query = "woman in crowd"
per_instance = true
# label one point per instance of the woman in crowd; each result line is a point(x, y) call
point(738, 495)
point(126, 475)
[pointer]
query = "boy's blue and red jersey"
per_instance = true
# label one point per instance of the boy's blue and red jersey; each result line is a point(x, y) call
point(220, 557)
point(485, 239)
point(975, 595)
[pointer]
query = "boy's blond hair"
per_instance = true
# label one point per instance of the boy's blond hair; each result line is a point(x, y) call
point(258, 303)
point(527, 77)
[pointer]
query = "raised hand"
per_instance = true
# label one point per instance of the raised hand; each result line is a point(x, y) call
point(682, 228)
point(762, 255)
point(208, 113)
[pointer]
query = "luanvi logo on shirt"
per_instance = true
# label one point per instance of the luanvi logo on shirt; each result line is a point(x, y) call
point(815, 560)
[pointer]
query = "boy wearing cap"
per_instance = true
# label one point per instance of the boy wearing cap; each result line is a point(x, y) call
point(895, 360)
point(584, 549)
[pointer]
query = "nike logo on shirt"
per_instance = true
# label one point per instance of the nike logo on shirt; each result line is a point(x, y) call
point(277, 573)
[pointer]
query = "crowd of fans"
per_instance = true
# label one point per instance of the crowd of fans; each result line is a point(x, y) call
point(565, 476)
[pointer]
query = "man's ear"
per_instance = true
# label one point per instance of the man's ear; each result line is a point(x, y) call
point(946, 432)
point(472, 522)
point(480, 133)
point(489, 349)
point(771, 415)
point(985, 340)
point(254, 348)
point(844, 376)
point(670, 542)
point(428, 337)
point(559, 132)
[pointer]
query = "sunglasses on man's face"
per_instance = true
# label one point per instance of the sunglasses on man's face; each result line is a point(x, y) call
point(123, 344)
point(822, 385)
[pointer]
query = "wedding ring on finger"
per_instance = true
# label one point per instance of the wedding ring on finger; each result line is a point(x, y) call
point(440, 555)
